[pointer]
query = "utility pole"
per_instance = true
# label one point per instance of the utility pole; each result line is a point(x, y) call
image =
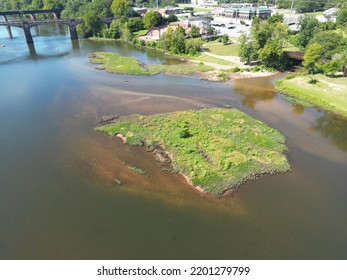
point(291, 10)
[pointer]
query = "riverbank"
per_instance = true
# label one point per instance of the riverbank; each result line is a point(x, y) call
point(318, 90)
point(217, 149)
point(117, 64)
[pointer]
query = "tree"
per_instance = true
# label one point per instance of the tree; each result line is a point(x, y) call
point(178, 41)
point(166, 39)
point(172, 18)
point(118, 7)
point(102, 8)
point(308, 27)
point(272, 54)
point(338, 63)
point(135, 24)
point(331, 43)
point(193, 46)
point(312, 58)
point(52, 4)
point(37, 4)
point(246, 49)
point(342, 58)
point(194, 32)
point(304, 6)
point(126, 34)
point(275, 18)
point(152, 18)
point(342, 15)
point(225, 39)
point(91, 25)
point(115, 30)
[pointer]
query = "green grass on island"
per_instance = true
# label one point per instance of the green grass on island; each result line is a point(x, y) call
point(218, 149)
point(115, 63)
point(327, 93)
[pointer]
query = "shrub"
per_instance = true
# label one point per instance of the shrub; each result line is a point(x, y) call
point(223, 76)
point(312, 81)
point(235, 69)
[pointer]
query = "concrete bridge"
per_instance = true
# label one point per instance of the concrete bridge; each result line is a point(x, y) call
point(55, 12)
point(26, 25)
point(296, 55)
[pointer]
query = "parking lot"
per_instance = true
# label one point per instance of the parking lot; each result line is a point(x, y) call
point(234, 32)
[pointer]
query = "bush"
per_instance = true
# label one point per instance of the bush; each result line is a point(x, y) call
point(312, 81)
point(171, 18)
point(256, 69)
point(223, 76)
point(235, 69)
point(134, 41)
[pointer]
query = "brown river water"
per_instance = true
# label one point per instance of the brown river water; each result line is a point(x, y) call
point(58, 198)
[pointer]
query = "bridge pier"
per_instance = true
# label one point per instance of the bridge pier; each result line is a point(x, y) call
point(72, 30)
point(8, 28)
point(26, 27)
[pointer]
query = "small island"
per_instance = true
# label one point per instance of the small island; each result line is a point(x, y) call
point(216, 149)
point(118, 64)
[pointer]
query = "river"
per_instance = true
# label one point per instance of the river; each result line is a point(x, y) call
point(58, 198)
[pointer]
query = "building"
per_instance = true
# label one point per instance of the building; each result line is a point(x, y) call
point(141, 11)
point(331, 14)
point(170, 10)
point(248, 13)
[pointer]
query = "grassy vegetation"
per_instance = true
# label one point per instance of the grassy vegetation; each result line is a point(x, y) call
point(218, 149)
point(290, 48)
point(207, 58)
point(201, 9)
point(221, 49)
point(115, 63)
point(319, 13)
point(140, 32)
point(327, 93)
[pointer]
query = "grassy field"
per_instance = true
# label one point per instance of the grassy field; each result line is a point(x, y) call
point(218, 149)
point(327, 93)
point(221, 49)
point(207, 58)
point(115, 63)
point(201, 9)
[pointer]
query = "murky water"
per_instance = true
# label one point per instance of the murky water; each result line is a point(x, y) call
point(58, 199)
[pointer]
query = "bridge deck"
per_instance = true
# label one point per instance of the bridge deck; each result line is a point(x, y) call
point(20, 23)
point(10, 13)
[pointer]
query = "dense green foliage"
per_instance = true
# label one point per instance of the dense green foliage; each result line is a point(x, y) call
point(268, 37)
point(77, 8)
point(176, 42)
point(218, 149)
point(91, 25)
point(152, 18)
point(303, 6)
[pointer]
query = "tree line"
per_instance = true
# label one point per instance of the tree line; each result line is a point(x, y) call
point(77, 8)
point(324, 44)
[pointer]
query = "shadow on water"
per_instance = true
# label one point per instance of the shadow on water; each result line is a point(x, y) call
point(254, 90)
point(332, 127)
